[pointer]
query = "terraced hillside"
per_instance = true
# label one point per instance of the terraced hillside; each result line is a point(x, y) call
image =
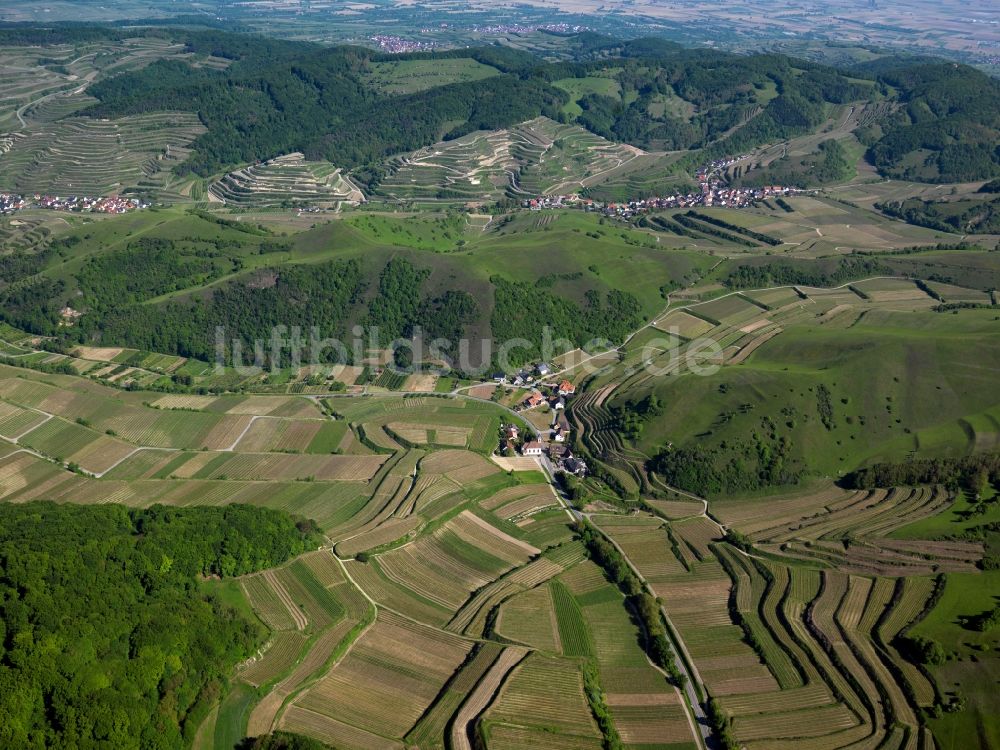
point(751, 340)
point(285, 181)
point(41, 84)
point(792, 656)
point(538, 157)
point(83, 156)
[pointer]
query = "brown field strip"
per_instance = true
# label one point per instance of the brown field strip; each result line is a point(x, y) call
point(482, 696)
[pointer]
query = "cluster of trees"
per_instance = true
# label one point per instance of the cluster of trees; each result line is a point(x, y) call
point(107, 639)
point(689, 223)
point(521, 310)
point(954, 473)
point(722, 725)
point(759, 236)
point(964, 216)
point(984, 621)
point(754, 275)
point(598, 707)
point(738, 466)
point(645, 606)
point(631, 416)
point(922, 650)
point(663, 224)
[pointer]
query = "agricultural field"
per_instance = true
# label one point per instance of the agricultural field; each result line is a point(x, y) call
point(542, 705)
point(777, 674)
point(76, 439)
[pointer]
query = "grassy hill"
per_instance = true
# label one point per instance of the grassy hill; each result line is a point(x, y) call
point(162, 280)
point(835, 395)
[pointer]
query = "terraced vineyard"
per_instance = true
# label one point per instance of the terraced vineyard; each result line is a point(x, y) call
point(83, 156)
point(44, 88)
point(285, 181)
point(801, 636)
point(534, 158)
point(796, 657)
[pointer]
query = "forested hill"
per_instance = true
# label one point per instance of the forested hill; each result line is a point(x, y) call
point(107, 639)
point(281, 97)
point(939, 120)
point(946, 127)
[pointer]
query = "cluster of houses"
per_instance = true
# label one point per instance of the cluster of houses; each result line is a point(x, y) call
point(524, 376)
point(558, 452)
point(704, 172)
point(553, 441)
point(555, 398)
point(711, 194)
point(520, 28)
point(111, 204)
point(396, 45)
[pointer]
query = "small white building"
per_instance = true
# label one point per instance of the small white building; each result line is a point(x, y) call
point(533, 448)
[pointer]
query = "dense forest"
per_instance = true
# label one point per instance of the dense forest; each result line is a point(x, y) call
point(108, 636)
point(946, 127)
point(521, 311)
point(728, 94)
point(401, 310)
point(398, 299)
point(277, 96)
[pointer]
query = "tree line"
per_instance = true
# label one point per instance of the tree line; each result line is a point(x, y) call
point(644, 606)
